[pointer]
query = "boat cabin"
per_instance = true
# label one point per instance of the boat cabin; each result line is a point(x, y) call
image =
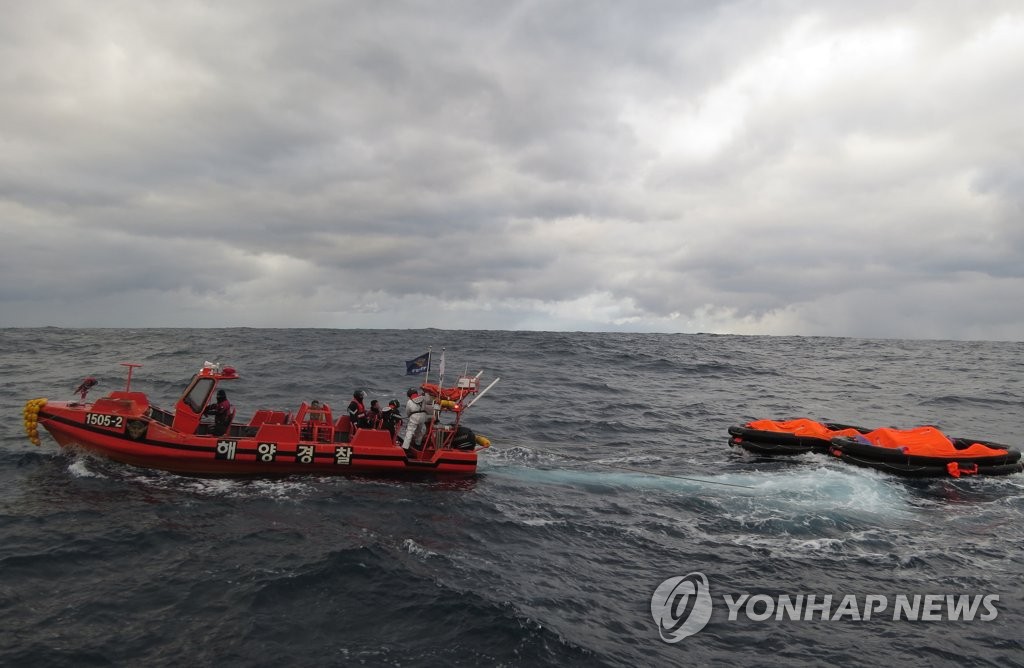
point(188, 412)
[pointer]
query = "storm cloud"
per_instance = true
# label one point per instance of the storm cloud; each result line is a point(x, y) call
point(814, 168)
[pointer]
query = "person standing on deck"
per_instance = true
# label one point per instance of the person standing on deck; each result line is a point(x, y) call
point(416, 413)
point(391, 417)
point(356, 410)
point(373, 415)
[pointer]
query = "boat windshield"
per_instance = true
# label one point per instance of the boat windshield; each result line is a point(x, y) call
point(196, 397)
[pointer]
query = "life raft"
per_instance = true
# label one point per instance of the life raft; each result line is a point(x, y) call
point(794, 436)
point(453, 394)
point(925, 452)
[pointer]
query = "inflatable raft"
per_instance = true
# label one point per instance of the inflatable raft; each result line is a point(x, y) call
point(923, 452)
point(926, 452)
point(794, 436)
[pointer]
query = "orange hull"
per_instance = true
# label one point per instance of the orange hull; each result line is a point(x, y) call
point(272, 449)
point(125, 427)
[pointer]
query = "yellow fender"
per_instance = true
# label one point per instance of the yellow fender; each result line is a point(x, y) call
point(31, 415)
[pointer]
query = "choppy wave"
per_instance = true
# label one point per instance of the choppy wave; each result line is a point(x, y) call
point(610, 473)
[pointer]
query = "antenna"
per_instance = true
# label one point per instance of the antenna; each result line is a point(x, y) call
point(482, 393)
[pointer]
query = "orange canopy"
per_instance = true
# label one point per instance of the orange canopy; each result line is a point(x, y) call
point(801, 427)
point(926, 441)
point(450, 393)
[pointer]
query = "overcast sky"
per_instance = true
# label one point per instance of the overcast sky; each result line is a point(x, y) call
point(790, 167)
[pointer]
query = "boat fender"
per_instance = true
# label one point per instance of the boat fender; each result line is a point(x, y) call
point(483, 441)
point(31, 419)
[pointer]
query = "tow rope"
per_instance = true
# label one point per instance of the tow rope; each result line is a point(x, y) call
point(624, 468)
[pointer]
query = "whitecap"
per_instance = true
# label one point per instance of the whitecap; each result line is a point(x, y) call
point(79, 467)
point(417, 550)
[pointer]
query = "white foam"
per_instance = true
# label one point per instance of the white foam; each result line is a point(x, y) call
point(417, 550)
point(800, 498)
point(79, 467)
point(821, 545)
point(638, 459)
point(521, 515)
point(496, 455)
point(611, 478)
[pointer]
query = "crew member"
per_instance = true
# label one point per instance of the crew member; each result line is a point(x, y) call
point(391, 417)
point(373, 415)
point(356, 411)
point(223, 413)
point(416, 413)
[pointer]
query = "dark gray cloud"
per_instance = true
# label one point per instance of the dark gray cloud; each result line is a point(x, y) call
point(780, 167)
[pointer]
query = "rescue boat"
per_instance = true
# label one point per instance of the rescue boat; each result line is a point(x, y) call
point(126, 427)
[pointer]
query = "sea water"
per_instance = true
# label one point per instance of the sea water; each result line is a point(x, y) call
point(610, 473)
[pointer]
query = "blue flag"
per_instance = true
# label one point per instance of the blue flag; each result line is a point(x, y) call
point(417, 366)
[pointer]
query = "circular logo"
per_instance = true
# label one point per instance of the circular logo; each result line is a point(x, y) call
point(681, 606)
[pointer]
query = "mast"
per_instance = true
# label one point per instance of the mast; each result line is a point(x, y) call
point(430, 354)
point(131, 367)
